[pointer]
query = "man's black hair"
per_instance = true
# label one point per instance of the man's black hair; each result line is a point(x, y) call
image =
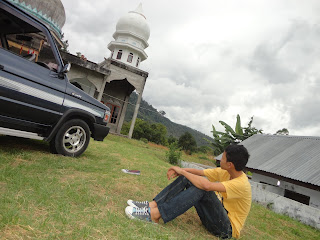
point(238, 155)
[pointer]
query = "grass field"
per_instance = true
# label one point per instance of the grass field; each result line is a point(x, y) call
point(45, 196)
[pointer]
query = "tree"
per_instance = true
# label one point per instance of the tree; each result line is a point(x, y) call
point(155, 132)
point(223, 139)
point(158, 133)
point(172, 139)
point(162, 112)
point(187, 143)
point(204, 149)
point(282, 131)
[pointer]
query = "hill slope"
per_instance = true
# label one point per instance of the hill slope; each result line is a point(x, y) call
point(152, 115)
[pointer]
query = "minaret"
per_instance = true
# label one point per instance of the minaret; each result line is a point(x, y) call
point(131, 38)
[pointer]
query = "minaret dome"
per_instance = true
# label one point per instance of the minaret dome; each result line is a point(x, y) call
point(131, 38)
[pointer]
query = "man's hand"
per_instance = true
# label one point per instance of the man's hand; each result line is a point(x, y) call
point(174, 172)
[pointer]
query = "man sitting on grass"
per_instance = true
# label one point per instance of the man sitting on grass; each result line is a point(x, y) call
point(222, 201)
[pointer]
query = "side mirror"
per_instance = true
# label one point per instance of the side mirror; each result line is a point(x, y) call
point(64, 70)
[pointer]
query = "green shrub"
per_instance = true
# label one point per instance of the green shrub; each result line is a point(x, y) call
point(153, 132)
point(204, 149)
point(174, 154)
point(204, 158)
point(144, 140)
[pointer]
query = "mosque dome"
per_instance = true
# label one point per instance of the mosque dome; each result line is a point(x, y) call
point(134, 22)
point(51, 12)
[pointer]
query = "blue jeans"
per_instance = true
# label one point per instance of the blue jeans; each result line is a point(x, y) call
point(181, 195)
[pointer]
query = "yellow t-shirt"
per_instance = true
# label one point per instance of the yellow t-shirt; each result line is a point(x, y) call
point(236, 199)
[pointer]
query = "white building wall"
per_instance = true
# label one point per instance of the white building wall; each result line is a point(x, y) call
point(306, 214)
point(313, 194)
point(89, 80)
point(134, 41)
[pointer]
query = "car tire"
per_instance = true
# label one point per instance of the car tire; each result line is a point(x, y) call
point(73, 138)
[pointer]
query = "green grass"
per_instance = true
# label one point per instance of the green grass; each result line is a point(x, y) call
point(45, 196)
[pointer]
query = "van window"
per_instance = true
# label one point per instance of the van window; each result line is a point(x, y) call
point(26, 41)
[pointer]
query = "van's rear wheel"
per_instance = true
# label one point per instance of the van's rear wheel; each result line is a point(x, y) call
point(73, 138)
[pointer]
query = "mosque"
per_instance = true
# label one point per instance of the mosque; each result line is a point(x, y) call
point(114, 79)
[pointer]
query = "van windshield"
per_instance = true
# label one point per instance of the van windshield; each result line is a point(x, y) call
point(26, 41)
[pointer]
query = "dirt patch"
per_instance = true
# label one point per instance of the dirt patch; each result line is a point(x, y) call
point(190, 217)
point(71, 176)
point(17, 232)
point(189, 222)
point(127, 186)
point(115, 154)
point(98, 190)
point(151, 144)
point(18, 161)
point(3, 187)
point(36, 213)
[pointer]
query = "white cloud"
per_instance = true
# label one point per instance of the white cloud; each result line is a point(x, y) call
point(211, 60)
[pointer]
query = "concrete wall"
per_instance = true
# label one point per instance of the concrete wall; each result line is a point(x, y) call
point(282, 205)
point(136, 80)
point(313, 194)
point(79, 72)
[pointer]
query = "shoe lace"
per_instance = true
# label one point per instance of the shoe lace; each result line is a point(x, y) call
point(142, 211)
point(144, 202)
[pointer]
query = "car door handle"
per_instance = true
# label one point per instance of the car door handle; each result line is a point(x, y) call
point(1, 67)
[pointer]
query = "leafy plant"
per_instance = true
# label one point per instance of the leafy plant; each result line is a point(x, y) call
point(282, 131)
point(144, 140)
point(223, 139)
point(174, 154)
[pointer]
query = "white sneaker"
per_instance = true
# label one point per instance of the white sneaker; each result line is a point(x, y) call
point(138, 213)
point(137, 204)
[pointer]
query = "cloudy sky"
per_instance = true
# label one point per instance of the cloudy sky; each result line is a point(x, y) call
point(214, 59)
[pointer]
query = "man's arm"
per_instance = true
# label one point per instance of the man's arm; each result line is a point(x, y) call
point(172, 174)
point(197, 180)
point(194, 171)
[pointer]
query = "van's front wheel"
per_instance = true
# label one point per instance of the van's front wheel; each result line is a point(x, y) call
point(73, 138)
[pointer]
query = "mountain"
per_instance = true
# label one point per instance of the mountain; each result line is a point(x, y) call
point(148, 113)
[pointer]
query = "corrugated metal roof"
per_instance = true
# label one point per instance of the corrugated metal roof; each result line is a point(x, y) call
point(294, 157)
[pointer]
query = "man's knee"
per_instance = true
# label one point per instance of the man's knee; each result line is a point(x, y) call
point(185, 181)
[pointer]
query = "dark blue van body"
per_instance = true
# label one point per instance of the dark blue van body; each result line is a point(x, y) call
point(38, 101)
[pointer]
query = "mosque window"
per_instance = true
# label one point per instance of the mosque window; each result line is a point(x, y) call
point(119, 55)
point(130, 57)
point(138, 61)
